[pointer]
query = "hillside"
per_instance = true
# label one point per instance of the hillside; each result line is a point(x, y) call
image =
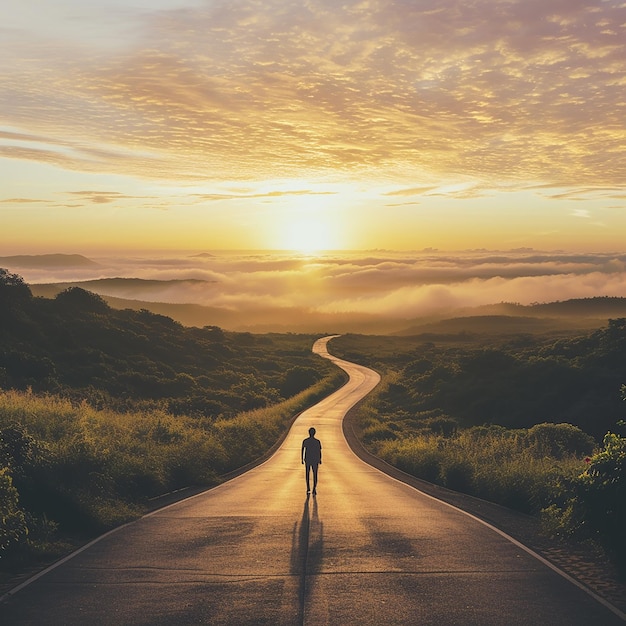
point(79, 347)
point(532, 423)
point(102, 410)
point(127, 293)
point(509, 318)
point(598, 307)
point(514, 381)
point(163, 297)
point(498, 325)
point(46, 261)
point(129, 288)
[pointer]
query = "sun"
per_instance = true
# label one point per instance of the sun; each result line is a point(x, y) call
point(310, 234)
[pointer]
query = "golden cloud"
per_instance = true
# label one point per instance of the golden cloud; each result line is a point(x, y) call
point(515, 91)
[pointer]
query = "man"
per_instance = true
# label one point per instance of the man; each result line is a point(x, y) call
point(311, 457)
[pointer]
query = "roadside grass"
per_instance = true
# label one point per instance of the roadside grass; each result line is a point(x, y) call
point(503, 467)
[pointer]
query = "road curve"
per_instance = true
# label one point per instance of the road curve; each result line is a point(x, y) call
point(368, 550)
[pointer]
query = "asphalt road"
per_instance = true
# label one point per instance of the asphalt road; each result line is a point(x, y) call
point(367, 550)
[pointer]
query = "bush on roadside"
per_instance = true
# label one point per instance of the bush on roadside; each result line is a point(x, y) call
point(599, 504)
point(13, 527)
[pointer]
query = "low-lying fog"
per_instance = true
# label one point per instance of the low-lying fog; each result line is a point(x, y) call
point(376, 290)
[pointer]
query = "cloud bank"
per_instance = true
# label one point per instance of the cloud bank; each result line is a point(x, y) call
point(261, 289)
point(511, 90)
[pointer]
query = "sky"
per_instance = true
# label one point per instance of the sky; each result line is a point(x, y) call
point(309, 125)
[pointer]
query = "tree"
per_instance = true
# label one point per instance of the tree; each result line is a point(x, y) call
point(14, 294)
point(13, 286)
point(298, 379)
point(80, 299)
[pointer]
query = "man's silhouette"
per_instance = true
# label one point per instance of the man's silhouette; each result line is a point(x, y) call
point(311, 457)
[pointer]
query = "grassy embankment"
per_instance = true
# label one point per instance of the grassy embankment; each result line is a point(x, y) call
point(74, 471)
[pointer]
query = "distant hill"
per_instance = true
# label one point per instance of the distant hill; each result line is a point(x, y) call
point(506, 317)
point(43, 261)
point(598, 307)
point(589, 307)
point(131, 288)
point(161, 297)
point(501, 325)
point(132, 293)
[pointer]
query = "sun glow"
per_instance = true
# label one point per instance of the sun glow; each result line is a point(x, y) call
point(310, 234)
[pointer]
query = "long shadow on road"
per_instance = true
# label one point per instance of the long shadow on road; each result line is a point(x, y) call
point(307, 551)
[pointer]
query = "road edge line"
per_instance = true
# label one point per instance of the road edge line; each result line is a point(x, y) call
point(61, 561)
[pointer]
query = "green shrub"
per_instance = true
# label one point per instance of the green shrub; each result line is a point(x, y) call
point(601, 497)
point(445, 426)
point(559, 440)
point(419, 456)
point(456, 473)
point(13, 527)
point(297, 379)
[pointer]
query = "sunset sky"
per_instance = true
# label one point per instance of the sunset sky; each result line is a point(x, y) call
point(282, 124)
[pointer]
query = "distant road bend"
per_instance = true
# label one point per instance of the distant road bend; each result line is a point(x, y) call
point(368, 550)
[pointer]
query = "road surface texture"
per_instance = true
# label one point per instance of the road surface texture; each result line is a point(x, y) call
point(367, 550)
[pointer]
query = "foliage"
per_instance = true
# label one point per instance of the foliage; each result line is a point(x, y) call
point(602, 495)
point(298, 378)
point(13, 287)
point(512, 468)
point(77, 299)
point(516, 382)
point(77, 347)
point(594, 506)
point(12, 520)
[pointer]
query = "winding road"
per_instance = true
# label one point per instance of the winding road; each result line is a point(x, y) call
point(368, 550)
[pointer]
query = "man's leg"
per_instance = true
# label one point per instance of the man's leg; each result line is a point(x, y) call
point(307, 469)
point(314, 468)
